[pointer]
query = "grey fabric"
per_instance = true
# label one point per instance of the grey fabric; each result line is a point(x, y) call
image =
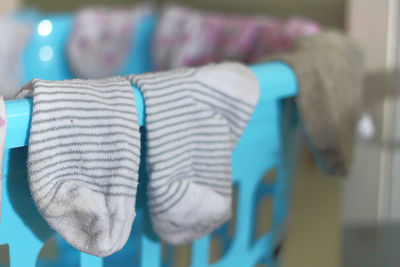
point(194, 118)
point(83, 160)
point(329, 70)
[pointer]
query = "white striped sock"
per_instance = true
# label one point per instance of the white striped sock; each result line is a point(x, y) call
point(83, 160)
point(194, 119)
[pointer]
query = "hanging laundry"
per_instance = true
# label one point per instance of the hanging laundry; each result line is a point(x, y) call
point(102, 39)
point(329, 68)
point(3, 132)
point(194, 118)
point(84, 152)
point(83, 160)
point(14, 37)
point(188, 37)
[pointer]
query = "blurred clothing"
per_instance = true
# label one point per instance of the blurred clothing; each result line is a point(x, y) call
point(329, 71)
point(14, 37)
point(188, 37)
point(101, 39)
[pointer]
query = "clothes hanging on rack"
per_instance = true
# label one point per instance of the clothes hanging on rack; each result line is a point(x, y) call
point(329, 69)
point(85, 143)
point(84, 152)
point(189, 37)
point(101, 39)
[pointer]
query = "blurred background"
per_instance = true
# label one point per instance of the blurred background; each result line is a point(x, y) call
point(328, 12)
point(351, 221)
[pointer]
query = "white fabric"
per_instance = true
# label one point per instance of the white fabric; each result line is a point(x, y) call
point(194, 118)
point(83, 160)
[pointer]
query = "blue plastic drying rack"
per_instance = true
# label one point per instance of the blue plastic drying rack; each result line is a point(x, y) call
point(269, 142)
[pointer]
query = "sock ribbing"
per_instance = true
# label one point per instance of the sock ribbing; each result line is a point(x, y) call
point(84, 152)
point(194, 118)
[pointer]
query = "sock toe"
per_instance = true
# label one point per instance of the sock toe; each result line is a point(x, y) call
point(191, 219)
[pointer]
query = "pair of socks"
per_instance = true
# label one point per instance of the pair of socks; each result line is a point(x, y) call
point(84, 152)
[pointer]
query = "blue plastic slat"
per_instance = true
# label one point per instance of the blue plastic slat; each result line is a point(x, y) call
point(140, 60)
point(277, 80)
point(19, 114)
point(150, 252)
point(21, 226)
point(44, 57)
point(201, 251)
point(90, 261)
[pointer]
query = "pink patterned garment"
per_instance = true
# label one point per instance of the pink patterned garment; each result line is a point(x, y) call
point(187, 37)
point(3, 131)
point(102, 38)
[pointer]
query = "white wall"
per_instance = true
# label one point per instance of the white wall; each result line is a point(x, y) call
point(369, 192)
point(8, 5)
point(374, 24)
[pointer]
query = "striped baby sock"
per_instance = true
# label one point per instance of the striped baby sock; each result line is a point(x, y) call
point(194, 119)
point(83, 160)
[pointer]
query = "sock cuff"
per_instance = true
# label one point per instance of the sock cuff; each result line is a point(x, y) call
point(232, 79)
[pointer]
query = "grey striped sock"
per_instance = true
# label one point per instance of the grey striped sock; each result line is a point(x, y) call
point(195, 117)
point(83, 160)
